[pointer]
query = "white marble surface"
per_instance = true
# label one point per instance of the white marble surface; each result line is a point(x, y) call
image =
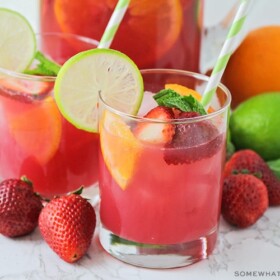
point(238, 254)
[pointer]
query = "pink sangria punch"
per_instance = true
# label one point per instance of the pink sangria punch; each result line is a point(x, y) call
point(170, 31)
point(36, 139)
point(161, 172)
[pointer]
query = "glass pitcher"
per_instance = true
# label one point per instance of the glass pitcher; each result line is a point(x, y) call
point(155, 34)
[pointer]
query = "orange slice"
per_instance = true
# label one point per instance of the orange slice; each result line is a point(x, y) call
point(120, 148)
point(37, 129)
point(182, 90)
point(149, 28)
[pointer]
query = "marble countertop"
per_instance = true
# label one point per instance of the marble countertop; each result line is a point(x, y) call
point(251, 253)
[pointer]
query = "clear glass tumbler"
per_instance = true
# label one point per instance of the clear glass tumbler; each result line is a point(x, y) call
point(36, 140)
point(160, 204)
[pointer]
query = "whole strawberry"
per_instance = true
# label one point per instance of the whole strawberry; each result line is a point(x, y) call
point(19, 207)
point(244, 199)
point(249, 161)
point(67, 224)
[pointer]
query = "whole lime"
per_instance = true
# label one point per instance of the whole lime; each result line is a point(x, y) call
point(255, 124)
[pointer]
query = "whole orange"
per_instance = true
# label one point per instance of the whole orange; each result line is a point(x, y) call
point(255, 65)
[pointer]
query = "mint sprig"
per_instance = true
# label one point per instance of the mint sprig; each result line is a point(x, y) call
point(170, 98)
point(116, 240)
point(44, 66)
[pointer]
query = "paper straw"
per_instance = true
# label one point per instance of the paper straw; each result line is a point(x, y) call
point(225, 53)
point(113, 24)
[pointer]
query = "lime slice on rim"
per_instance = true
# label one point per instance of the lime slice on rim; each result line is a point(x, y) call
point(85, 75)
point(17, 41)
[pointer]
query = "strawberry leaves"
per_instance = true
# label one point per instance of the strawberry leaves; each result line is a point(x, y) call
point(274, 165)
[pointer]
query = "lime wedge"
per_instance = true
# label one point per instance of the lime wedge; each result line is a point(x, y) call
point(84, 75)
point(17, 41)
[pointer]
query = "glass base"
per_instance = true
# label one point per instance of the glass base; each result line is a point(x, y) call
point(158, 256)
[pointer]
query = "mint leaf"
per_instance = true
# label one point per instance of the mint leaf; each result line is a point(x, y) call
point(40, 70)
point(44, 66)
point(46, 63)
point(116, 240)
point(176, 103)
point(274, 165)
point(170, 98)
point(196, 106)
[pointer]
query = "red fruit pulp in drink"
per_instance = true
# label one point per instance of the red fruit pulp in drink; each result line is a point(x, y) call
point(154, 34)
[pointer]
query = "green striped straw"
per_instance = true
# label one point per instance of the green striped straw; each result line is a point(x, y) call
point(113, 24)
point(225, 53)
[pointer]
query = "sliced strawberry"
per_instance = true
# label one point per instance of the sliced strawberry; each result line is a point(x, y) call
point(176, 113)
point(25, 90)
point(193, 141)
point(157, 132)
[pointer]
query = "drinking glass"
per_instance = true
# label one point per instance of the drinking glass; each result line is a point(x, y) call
point(160, 204)
point(36, 140)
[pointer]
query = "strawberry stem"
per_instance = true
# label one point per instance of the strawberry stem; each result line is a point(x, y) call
point(26, 180)
point(78, 191)
point(246, 171)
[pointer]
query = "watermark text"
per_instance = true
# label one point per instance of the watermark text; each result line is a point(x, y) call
point(256, 273)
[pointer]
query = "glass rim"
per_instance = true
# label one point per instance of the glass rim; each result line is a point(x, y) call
point(45, 78)
point(195, 75)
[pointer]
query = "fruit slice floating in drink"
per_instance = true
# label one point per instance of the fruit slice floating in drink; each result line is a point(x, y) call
point(157, 133)
point(120, 154)
point(41, 138)
point(158, 23)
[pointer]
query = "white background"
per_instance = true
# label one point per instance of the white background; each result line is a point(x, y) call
point(263, 11)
